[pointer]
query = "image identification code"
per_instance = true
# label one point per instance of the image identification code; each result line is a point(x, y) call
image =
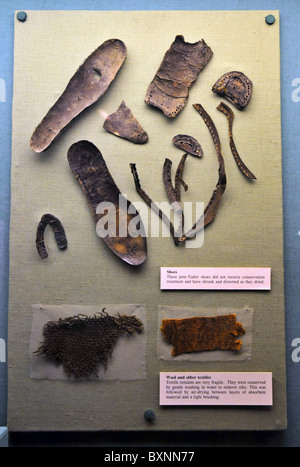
point(151, 456)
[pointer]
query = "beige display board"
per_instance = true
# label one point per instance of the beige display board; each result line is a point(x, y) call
point(247, 231)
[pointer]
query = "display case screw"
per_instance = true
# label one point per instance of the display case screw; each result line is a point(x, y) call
point(270, 19)
point(22, 16)
point(149, 415)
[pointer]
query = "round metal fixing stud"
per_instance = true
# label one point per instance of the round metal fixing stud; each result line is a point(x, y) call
point(22, 16)
point(270, 19)
point(149, 415)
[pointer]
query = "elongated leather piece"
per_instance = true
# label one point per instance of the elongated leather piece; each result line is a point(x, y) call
point(90, 169)
point(202, 334)
point(87, 85)
point(230, 117)
point(213, 204)
point(179, 69)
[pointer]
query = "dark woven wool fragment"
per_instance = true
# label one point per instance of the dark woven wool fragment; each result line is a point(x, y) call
point(81, 343)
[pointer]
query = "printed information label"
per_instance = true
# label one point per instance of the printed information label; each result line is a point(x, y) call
point(202, 388)
point(194, 278)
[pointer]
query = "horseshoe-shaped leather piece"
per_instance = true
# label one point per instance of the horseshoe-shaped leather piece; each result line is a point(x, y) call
point(236, 87)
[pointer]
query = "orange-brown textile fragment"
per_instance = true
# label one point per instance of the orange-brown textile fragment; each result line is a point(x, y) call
point(200, 334)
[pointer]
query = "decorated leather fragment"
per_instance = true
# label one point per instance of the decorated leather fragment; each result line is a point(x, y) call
point(179, 69)
point(201, 334)
point(188, 144)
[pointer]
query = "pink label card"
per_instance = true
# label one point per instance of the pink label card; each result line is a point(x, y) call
point(194, 278)
point(216, 388)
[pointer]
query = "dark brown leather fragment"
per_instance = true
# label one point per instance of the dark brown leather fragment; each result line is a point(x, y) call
point(87, 85)
point(179, 69)
point(90, 169)
point(170, 189)
point(59, 234)
point(236, 87)
point(202, 333)
point(123, 123)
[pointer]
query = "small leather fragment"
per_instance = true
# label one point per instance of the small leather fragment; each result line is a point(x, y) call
point(188, 144)
point(87, 85)
point(123, 123)
point(59, 234)
point(124, 238)
point(82, 343)
point(202, 333)
point(236, 87)
point(230, 117)
point(178, 70)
